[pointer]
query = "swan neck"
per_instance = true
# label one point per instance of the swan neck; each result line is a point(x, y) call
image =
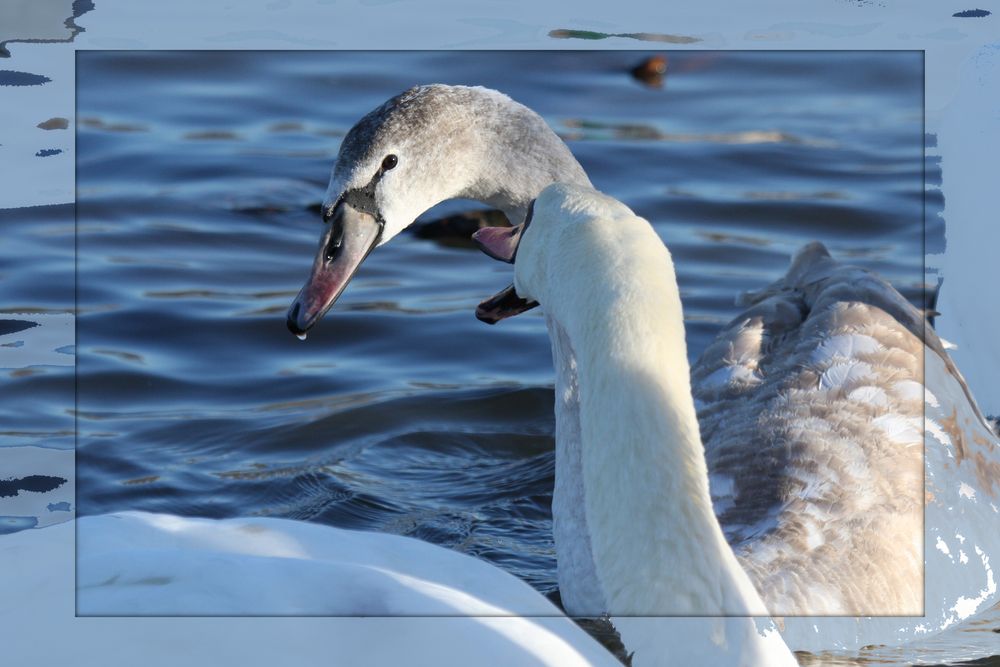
point(657, 545)
point(517, 156)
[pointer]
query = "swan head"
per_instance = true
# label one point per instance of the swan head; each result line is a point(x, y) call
point(427, 145)
point(390, 168)
point(565, 242)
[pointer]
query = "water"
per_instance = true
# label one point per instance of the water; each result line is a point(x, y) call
point(198, 177)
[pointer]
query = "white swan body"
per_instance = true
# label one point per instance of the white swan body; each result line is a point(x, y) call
point(135, 563)
point(962, 452)
point(41, 626)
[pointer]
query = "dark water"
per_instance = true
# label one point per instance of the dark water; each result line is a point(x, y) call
point(198, 174)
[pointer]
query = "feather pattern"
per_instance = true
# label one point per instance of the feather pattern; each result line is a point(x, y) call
point(823, 459)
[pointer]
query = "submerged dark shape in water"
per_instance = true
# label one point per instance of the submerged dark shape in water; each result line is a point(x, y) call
point(455, 231)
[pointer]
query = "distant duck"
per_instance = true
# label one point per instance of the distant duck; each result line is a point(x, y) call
point(810, 404)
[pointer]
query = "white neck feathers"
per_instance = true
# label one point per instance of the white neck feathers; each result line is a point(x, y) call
point(609, 283)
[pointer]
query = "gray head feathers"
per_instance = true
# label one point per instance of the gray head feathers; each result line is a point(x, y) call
point(488, 146)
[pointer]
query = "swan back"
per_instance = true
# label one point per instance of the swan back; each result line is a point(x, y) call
point(813, 434)
point(865, 446)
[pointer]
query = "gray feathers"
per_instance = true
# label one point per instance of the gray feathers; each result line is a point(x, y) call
point(814, 440)
point(474, 142)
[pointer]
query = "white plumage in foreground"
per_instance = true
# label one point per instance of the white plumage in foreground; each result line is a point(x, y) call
point(40, 625)
point(135, 563)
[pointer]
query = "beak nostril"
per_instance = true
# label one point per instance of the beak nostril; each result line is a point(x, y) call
point(327, 212)
point(343, 246)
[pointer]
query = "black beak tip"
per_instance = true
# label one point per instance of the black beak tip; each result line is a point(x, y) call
point(486, 316)
point(293, 321)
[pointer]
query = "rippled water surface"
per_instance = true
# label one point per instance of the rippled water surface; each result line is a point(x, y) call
point(198, 179)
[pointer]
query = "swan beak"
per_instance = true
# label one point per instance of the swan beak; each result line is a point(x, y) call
point(505, 303)
point(350, 236)
point(499, 242)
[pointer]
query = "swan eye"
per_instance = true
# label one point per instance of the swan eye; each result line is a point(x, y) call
point(389, 162)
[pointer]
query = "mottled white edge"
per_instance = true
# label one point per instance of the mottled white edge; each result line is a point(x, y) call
point(962, 96)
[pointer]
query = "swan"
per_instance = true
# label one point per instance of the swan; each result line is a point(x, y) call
point(905, 544)
point(143, 564)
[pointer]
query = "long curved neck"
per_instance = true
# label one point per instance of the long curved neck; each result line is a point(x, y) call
point(657, 546)
point(517, 156)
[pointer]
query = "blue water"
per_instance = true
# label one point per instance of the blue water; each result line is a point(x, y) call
point(198, 176)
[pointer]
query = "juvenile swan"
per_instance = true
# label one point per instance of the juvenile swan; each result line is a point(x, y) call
point(810, 404)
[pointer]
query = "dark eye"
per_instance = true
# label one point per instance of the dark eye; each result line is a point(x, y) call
point(389, 162)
